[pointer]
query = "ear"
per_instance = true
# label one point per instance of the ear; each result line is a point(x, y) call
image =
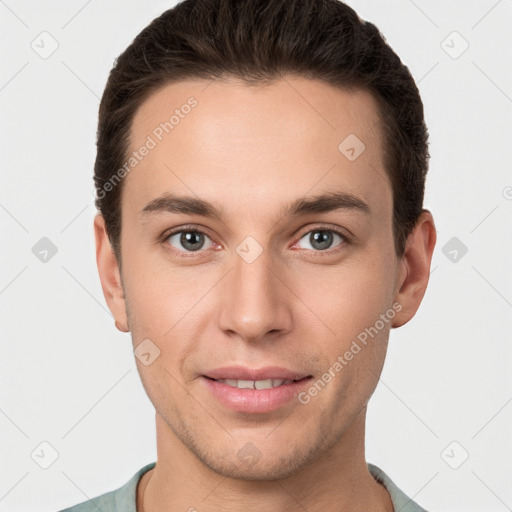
point(109, 274)
point(414, 268)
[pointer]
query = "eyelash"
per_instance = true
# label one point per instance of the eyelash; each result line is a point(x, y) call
point(347, 239)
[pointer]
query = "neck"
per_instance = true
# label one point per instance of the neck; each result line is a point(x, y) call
point(338, 480)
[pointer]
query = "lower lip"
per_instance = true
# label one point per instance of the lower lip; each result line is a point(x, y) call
point(255, 400)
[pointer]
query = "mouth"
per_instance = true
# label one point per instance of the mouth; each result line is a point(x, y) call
point(255, 390)
point(256, 384)
point(246, 374)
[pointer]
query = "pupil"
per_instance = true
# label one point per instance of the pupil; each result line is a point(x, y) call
point(190, 240)
point(322, 238)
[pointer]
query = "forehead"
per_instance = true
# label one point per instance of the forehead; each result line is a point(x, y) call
point(222, 139)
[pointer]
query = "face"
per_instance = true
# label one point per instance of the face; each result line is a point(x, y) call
point(257, 245)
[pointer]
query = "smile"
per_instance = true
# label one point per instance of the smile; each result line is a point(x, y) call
point(255, 384)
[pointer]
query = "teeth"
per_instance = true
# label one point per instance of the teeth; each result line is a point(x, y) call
point(254, 384)
point(245, 384)
point(267, 384)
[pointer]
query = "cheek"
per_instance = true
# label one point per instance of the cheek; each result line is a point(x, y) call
point(339, 300)
point(150, 309)
point(349, 300)
point(346, 299)
point(159, 293)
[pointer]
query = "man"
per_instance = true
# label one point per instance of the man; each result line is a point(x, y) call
point(260, 177)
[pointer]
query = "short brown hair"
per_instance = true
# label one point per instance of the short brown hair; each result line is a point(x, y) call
point(259, 41)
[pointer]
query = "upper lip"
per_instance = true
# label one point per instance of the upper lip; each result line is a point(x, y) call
point(244, 373)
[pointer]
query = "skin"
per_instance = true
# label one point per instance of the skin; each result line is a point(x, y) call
point(252, 150)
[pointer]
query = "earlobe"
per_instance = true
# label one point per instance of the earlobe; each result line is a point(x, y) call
point(110, 277)
point(414, 269)
point(120, 327)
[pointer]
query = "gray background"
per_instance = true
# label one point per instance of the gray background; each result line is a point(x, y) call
point(68, 377)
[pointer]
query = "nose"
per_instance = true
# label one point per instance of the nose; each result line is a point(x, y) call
point(255, 301)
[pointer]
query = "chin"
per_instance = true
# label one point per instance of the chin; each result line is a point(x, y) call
point(252, 464)
point(261, 470)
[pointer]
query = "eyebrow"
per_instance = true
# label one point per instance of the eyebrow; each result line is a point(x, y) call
point(171, 203)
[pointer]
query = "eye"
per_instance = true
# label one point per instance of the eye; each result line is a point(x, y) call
point(322, 239)
point(188, 240)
